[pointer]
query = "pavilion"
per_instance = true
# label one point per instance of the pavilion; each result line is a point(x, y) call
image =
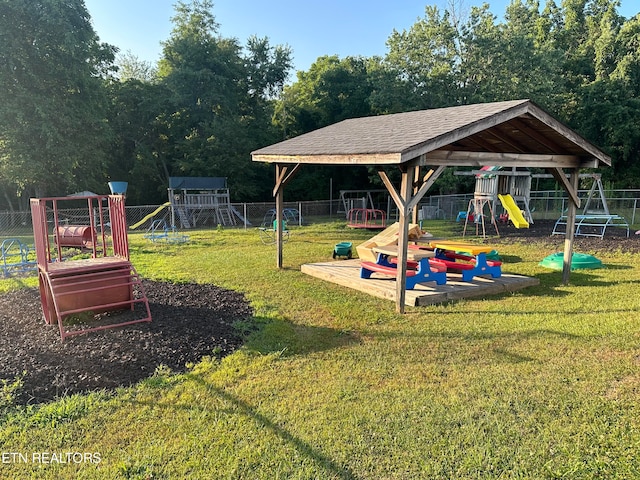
point(514, 133)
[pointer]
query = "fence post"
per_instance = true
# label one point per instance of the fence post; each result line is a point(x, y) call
point(244, 214)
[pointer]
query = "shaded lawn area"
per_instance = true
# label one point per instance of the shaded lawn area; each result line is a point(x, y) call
point(541, 383)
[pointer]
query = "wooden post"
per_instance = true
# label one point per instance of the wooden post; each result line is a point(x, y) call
point(406, 191)
point(415, 186)
point(282, 177)
point(278, 225)
point(405, 203)
point(571, 226)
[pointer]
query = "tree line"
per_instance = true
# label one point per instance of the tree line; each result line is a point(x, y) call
point(75, 113)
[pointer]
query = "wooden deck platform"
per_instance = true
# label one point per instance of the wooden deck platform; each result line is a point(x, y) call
point(347, 273)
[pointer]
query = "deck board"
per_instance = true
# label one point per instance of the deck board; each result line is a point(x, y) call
point(347, 274)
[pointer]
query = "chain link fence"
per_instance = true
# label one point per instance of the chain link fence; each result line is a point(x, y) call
point(543, 205)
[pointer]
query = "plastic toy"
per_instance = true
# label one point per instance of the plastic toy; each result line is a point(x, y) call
point(343, 249)
point(555, 261)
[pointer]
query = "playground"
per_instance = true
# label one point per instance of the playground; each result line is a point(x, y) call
point(559, 360)
point(57, 368)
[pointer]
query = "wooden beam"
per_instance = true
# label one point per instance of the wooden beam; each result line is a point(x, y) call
point(417, 183)
point(282, 178)
point(481, 142)
point(561, 178)
point(332, 159)
point(537, 136)
point(480, 159)
point(431, 177)
point(504, 137)
point(397, 199)
point(406, 189)
point(284, 173)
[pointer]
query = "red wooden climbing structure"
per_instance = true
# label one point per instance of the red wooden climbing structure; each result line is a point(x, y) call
point(104, 282)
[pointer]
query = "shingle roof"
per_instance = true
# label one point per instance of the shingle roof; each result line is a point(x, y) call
point(516, 126)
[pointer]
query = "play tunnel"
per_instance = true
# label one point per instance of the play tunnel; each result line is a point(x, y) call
point(76, 236)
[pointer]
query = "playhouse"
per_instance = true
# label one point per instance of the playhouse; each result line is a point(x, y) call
point(84, 268)
point(199, 200)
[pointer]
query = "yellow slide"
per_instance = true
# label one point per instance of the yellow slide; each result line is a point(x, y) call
point(152, 214)
point(515, 215)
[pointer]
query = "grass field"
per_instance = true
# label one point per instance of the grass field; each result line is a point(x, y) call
point(541, 383)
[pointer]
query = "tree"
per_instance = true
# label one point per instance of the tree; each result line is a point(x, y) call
point(219, 105)
point(138, 120)
point(332, 90)
point(428, 56)
point(52, 130)
point(130, 67)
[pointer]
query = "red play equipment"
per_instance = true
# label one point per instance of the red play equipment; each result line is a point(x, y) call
point(369, 218)
point(104, 282)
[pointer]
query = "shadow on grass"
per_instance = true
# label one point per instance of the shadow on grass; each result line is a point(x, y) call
point(510, 259)
point(237, 406)
point(325, 462)
point(576, 279)
point(271, 335)
point(266, 335)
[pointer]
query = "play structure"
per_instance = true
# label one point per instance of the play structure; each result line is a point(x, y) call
point(101, 279)
point(365, 208)
point(515, 214)
point(595, 216)
point(199, 200)
point(159, 231)
point(291, 216)
point(512, 188)
point(16, 257)
point(363, 199)
point(150, 216)
point(368, 218)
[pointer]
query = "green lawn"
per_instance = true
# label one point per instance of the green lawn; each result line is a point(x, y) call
point(542, 383)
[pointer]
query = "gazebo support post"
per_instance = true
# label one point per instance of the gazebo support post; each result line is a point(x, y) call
point(406, 191)
point(282, 178)
point(416, 184)
point(571, 226)
point(406, 203)
point(571, 187)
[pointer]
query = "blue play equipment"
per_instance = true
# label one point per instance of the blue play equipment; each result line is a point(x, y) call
point(15, 257)
point(159, 231)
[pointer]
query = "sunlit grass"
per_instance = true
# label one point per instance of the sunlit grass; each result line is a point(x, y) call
point(540, 383)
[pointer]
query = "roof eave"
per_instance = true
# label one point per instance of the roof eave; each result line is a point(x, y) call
point(333, 159)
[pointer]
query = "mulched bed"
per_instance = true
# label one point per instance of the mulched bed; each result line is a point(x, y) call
point(614, 240)
point(189, 322)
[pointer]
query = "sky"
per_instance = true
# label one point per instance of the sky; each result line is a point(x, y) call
point(311, 28)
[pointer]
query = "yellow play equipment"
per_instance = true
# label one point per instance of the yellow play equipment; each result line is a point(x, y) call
point(151, 215)
point(515, 214)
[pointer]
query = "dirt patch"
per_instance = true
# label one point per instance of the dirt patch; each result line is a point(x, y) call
point(189, 321)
